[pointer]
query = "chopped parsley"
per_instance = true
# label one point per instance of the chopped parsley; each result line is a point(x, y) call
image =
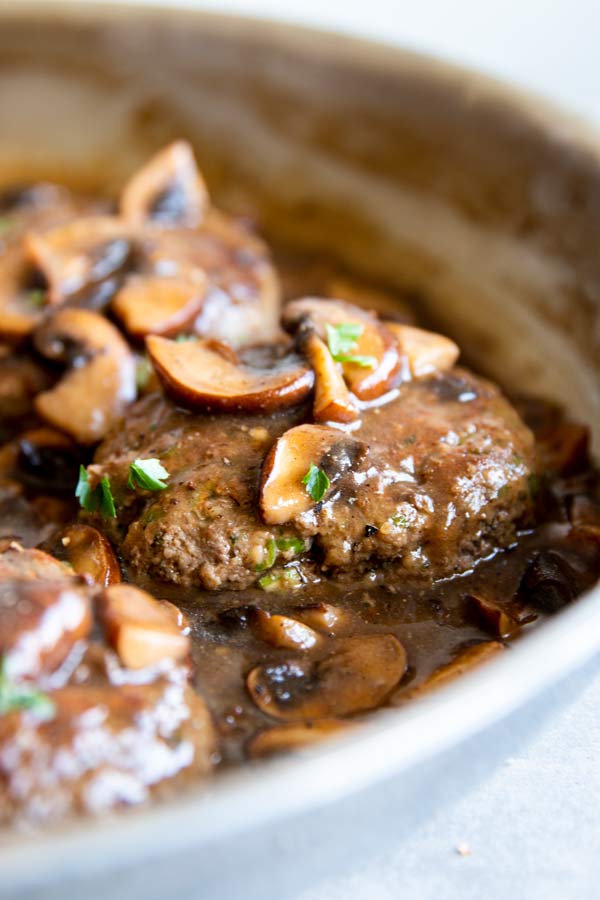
point(342, 339)
point(297, 545)
point(316, 482)
point(280, 579)
point(281, 545)
point(269, 557)
point(100, 498)
point(185, 338)
point(147, 474)
point(36, 296)
point(401, 520)
point(143, 371)
point(14, 697)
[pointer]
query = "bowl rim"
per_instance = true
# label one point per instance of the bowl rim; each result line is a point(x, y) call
point(391, 741)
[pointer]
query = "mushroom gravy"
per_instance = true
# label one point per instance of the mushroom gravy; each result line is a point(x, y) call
point(227, 529)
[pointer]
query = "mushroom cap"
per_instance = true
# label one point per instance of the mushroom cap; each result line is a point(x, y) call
point(149, 304)
point(204, 374)
point(167, 191)
point(89, 553)
point(294, 736)
point(283, 495)
point(19, 314)
point(333, 402)
point(94, 392)
point(356, 677)
point(375, 341)
point(142, 630)
point(78, 253)
point(427, 352)
point(466, 660)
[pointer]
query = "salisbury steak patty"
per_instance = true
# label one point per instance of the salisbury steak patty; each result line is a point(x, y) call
point(433, 480)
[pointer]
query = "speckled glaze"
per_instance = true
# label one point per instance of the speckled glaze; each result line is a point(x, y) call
point(481, 203)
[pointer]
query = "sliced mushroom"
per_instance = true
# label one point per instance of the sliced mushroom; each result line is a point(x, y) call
point(21, 300)
point(21, 378)
point(493, 618)
point(148, 304)
point(375, 341)
point(40, 621)
point(17, 562)
point(203, 374)
point(283, 631)
point(93, 394)
point(322, 616)
point(243, 301)
point(142, 630)
point(89, 553)
point(465, 661)
point(283, 496)
point(358, 676)
point(47, 460)
point(295, 736)
point(426, 351)
point(332, 401)
point(80, 253)
point(548, 582)
point(167, 191)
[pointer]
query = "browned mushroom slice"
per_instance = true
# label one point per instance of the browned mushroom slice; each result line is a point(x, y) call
point(203, 374)
point(79, 253)
point(465, 661)
point(295, 736)
point(493, 618)
point(18, 562)
point(322, 616)
point(283, 493)
point(358, 676)
point(21, 301)
point(154, 305)
point(100, 383)
point(89, 553)
point(142, 630)
point(40, 621)
point(426, 351)
point(168, 190)
point(283, 631)
point(332, 401)
point(367, 349)
point(21, 378)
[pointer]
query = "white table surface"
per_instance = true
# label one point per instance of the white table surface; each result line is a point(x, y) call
point(533, 825)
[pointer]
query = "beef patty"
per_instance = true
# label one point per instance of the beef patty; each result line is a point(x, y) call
point(430, 482)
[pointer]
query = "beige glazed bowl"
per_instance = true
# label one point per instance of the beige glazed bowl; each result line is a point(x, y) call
point(480, 203)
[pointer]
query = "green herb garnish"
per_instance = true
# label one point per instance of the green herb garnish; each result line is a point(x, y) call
point(100, 498)
point(295, 544)
point(270, 557)
point(341, 340)
point(185, 338)
point(143, 371)
point(317, 483)
point(5, 224)
point(14, 697)
point(401, 520)
point(280, 579)
point(147, 474)
point(36, 296)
